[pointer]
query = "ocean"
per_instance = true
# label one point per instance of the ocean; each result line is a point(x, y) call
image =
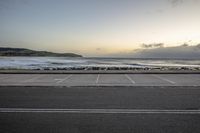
point(41, 63)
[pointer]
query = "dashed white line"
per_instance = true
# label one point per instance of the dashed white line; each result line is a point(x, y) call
point(130, 79)
point(97, 80)
point(62, 80)
point(98, 111)
point(172, 82)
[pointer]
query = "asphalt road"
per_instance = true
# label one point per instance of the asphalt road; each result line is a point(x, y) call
point(138, 109)
point(99, 79)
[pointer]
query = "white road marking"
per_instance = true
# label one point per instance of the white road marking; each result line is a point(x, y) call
point(32, 79)
point(172, 82)
point(97, 80)
point(115, 84)
point(61, 80)
point(58, 79)
point(4, 78)
point(98, 111)
point(130, 79)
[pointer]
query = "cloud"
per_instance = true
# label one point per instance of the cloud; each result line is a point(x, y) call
point(198, 46)
point(176, 2)
point(179, 52)
point(154, 45)
point(98, 49)
point(185, 45)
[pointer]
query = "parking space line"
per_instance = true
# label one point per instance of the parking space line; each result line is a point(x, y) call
point(130, 79)
point(114, 84)
point(32, 79)
point(98, 111)
point(62, 80)
point(97, 80)
point(172, 82)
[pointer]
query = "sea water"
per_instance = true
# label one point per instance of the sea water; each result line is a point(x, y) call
point(66, 62)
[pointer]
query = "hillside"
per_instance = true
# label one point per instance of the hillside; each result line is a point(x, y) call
point(27, 52)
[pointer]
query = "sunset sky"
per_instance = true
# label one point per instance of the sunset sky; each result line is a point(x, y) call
point(98, 27)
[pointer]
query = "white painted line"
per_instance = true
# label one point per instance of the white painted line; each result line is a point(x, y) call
point(97, 80)
point(32, 79)
point(4, 78)
point(115, 84)
point(172, 82)
point(98, 111)
point(130, 79)
point(62, 80)
point(58, 79)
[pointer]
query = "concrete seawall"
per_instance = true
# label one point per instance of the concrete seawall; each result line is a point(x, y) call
point(98, 72)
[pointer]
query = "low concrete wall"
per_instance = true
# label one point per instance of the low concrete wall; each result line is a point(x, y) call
point(97, 72)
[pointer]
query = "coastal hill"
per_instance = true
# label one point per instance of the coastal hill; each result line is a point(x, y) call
point(27, 52)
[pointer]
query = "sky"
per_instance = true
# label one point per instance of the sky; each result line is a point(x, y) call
point(98, 27)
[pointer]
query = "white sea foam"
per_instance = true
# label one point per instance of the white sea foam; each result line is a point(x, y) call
point(63, 62)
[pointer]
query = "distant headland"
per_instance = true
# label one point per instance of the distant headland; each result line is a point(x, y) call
point(5, 51)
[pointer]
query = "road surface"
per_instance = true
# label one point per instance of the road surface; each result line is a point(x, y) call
point(100, 103)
